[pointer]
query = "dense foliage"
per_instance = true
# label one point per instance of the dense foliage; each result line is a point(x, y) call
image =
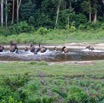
point(20, 89)
point(37, 82)
point(67, 14)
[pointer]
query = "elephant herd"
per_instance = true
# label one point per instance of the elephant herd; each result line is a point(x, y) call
point(14, 48)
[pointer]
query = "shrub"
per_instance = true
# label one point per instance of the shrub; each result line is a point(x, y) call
point(16, 82)
point(76, 95)
point(12, 100)
point(81, 19)
point(102, 26)
point(1, 31)
point(46, 99)
point(42, 30)
point(72, 26)
point(82, 27)
point(93, 25)
point(22, 27)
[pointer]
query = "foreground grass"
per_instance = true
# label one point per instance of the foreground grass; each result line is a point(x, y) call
point(36, 68)
point(40, 82)
point(56, 37)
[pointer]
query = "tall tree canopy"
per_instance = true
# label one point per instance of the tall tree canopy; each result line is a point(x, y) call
point(50, 13)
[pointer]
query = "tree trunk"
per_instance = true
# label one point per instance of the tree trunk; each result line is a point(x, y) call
point(58, 10)
point(103, 1)
point(68, 22)
point(90, 16)
point(2, 9)
point(12, 11)
point(6, 14)
point(17, 12)
point(90, 13)
point(95, 12)
point(70, 5)
point(95, 17)
point(18, 7)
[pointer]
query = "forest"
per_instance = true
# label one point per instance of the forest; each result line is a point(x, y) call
point(50, 14)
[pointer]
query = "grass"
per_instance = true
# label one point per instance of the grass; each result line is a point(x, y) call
point(56, 37)
point(35, 68)
point(40, 82)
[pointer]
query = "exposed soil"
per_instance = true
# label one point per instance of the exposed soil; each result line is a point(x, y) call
point(68, 45)
point(74, 62)
point(60, 63)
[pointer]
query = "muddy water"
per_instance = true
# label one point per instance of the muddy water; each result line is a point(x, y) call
point(54, 56)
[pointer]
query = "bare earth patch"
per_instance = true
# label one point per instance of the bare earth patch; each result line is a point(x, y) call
point(74, 62)
point(59, 63)
point(68, 45)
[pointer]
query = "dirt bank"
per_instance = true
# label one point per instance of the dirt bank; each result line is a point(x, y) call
point(73, 62)
point(59, 63)
point(68, 45)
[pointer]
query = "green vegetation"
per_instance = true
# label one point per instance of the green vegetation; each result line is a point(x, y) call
point(40, 82)
point(55, 36)
point(51, 22)
point(23, 16)
point(51, 13)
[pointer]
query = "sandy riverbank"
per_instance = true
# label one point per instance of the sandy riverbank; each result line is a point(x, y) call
point(68, 45)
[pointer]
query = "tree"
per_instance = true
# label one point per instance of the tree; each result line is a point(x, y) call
point(51, 13)
point(86, 6)
point(18, 7)
point(6, 14)
point(2, 14)
point(57, 12)
point(103, 1)
point(13, 11)
point(26, 10)
point(95, 10)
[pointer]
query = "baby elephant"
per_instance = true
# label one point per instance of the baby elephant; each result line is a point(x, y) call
point(32, 48)
point(89, 47)
point(13, 47)
point(1, 48)
point(64, 50)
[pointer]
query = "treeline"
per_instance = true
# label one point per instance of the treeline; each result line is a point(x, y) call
point(51, 13)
